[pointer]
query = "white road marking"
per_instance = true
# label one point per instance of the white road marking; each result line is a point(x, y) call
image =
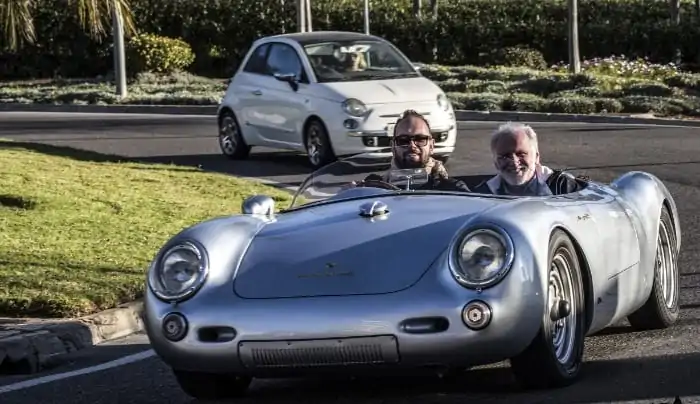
point(92, 369)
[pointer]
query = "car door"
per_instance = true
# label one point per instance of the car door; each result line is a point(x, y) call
point(285, 107)
point(247, 90)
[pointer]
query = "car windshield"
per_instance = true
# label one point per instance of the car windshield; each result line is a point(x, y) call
point(357, 61)
point(331, 181)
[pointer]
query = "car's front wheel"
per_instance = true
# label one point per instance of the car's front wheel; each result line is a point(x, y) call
point(555, 355)
point(212, 386)
point(318, 144)
point(231, 140)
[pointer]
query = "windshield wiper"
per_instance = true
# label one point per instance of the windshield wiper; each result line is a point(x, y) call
point(402, 75)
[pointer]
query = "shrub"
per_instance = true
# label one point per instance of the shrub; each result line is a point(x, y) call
point(158, 54)
point(463, 33)
point(620, 66)
point(517, 56)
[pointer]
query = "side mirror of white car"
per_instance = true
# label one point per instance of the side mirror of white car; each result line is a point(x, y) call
point(290, 78)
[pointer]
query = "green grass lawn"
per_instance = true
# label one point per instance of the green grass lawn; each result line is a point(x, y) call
point(77, 235)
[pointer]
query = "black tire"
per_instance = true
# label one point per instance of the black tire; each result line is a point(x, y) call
point(318, 144)
point(231, 141)
point(661, 311)
point(212, 386)
point(539, 367)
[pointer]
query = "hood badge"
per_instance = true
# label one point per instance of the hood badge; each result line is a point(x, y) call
point(327, 273)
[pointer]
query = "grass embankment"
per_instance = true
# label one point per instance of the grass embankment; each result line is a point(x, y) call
point(611, 85)
point(77, 234)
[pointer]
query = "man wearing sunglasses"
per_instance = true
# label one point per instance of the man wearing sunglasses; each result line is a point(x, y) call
point(412, 147)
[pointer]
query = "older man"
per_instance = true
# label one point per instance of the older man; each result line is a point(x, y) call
point(516, 157)
point(412, 147)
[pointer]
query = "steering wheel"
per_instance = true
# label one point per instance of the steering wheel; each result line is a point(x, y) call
point(378, 184)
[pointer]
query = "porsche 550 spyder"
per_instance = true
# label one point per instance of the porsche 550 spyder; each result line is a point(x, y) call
point(393, 277)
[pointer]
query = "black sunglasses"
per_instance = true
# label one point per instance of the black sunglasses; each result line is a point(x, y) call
point(405, 140)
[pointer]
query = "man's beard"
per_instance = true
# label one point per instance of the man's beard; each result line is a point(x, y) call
point(517, 177)
point(406, 162)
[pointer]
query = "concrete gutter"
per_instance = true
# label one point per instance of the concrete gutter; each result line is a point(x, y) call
point(462, 115)
point(31, 345)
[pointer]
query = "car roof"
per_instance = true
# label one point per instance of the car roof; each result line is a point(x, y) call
point(306, 38)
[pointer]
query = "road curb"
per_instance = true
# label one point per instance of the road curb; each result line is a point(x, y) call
point(462, 115)
point(31, 345)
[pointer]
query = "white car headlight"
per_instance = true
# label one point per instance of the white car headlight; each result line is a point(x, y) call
point(443, 102)
point(482, 257)
point(354, 107)
point(179, 273)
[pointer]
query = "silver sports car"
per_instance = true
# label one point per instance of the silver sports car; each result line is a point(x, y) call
point(389, 277)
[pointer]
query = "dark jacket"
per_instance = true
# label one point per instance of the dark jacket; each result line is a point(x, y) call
point(559, 182)
point(434, 183)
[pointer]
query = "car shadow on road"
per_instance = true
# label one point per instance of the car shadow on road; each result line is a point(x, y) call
point(19, 126)
point(659, 379)
point(263, 165)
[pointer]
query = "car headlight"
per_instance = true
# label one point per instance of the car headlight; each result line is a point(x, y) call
point(443, 102)
point(354, 107)
point(180, 272)
point(482, 257)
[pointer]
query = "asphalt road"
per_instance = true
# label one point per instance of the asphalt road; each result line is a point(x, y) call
point(622, 366)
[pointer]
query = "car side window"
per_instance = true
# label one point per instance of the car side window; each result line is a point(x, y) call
point(283, 59)
point(256, 62)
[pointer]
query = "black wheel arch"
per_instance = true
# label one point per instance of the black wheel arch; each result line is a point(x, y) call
point(674, 220)
point(311, 118)
point(221, 112)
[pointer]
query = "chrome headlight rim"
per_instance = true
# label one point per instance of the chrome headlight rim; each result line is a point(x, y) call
point(455, 261)
point(345, 105)
point(203, 272)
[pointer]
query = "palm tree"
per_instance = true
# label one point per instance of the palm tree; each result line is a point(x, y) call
point(95, 17)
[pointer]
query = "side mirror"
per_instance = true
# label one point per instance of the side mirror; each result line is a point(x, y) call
point(258, 205)
point(417, 66)
point(290, 78)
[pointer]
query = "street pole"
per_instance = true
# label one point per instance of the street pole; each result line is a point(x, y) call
point(367, 17)
point(301, 18)
point(574, 56)
point(119, 62)
point(309, 27)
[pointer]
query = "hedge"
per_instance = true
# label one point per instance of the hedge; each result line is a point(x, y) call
point(220, 31)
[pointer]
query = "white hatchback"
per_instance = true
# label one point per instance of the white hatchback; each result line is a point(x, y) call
point(328, 94)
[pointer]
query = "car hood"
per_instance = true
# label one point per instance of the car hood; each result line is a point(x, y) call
point(414, 89)
point(330, 250)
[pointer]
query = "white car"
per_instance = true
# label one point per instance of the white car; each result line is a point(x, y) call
point(327, 94)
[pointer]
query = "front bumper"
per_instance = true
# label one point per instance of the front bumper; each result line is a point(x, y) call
point(281, 337)
point(361, 135)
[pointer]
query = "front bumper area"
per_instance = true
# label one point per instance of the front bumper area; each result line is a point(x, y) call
point(288, 337)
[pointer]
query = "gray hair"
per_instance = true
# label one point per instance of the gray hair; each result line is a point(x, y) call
point(512, 129)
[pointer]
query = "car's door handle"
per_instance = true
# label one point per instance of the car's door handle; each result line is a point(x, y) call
point(257, 92)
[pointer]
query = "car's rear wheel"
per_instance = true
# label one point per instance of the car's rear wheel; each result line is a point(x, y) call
point(555, 355)
point(318, 145)
point(212, 386)
point(231, 140)
point(661, 310)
